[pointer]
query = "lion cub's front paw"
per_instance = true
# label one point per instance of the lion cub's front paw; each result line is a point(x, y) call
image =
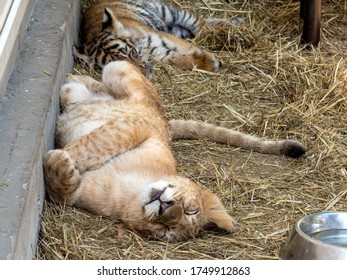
point(62, 176)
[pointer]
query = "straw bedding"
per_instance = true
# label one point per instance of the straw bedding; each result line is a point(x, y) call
point(271, 85)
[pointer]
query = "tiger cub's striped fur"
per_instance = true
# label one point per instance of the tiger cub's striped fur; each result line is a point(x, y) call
point(138, 31)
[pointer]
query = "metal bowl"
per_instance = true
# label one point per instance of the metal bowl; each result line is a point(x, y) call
point(320, 236)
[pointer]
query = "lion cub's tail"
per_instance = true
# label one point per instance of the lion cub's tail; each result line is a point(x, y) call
point(189, 129)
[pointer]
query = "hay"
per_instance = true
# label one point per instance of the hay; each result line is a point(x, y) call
point(271, 86)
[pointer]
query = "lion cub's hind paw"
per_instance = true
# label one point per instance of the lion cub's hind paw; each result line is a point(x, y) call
point(62, 176)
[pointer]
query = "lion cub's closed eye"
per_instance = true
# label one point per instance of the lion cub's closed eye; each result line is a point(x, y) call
point(114, 157)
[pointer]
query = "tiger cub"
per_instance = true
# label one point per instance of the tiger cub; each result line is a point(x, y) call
point(143, 31)
point(115, 159)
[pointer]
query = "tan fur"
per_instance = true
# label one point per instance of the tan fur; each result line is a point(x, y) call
point(115, 157)
point(152, 44)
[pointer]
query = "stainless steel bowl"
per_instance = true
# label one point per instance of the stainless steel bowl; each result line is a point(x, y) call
point(320, 236)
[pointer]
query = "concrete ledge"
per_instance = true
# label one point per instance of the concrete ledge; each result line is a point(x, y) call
point(27, 122)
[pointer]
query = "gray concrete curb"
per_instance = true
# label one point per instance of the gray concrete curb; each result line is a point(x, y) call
point(27, 122)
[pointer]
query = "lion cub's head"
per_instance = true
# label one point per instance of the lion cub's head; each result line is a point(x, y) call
point(177, 209)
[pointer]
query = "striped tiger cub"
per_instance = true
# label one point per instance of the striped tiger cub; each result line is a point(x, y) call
point(143, 31)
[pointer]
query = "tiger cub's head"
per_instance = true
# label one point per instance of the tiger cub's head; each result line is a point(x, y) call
point(177, 209)
point(110, 45)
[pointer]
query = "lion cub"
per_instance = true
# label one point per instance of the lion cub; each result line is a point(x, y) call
point(115, 157)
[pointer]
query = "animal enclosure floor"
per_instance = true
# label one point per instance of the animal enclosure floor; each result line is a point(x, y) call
point(271, 86)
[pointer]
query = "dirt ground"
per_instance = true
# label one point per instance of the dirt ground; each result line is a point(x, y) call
point(272, 86)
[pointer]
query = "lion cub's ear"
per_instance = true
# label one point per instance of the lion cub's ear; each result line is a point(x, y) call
point(216, 213)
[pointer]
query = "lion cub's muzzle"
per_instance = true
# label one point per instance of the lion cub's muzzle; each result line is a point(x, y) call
point(164, 205)
point(169, 212)
point(171, 215)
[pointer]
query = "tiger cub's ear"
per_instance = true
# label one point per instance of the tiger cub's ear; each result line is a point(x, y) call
point(110, 22)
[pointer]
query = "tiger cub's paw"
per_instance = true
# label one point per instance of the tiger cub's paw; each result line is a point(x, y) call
point(62, 176)
point(206, 61)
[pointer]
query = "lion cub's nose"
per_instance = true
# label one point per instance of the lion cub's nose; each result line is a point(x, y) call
point(165, 205)
point(172, 215)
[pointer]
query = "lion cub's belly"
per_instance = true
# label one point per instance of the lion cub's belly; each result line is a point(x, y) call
point(81, 119)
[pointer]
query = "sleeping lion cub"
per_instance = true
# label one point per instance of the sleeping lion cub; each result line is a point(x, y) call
point(115, 157)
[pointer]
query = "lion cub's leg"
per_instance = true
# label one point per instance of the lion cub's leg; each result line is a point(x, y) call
point(93, 150)
point(61, 176)
point(121, 133)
